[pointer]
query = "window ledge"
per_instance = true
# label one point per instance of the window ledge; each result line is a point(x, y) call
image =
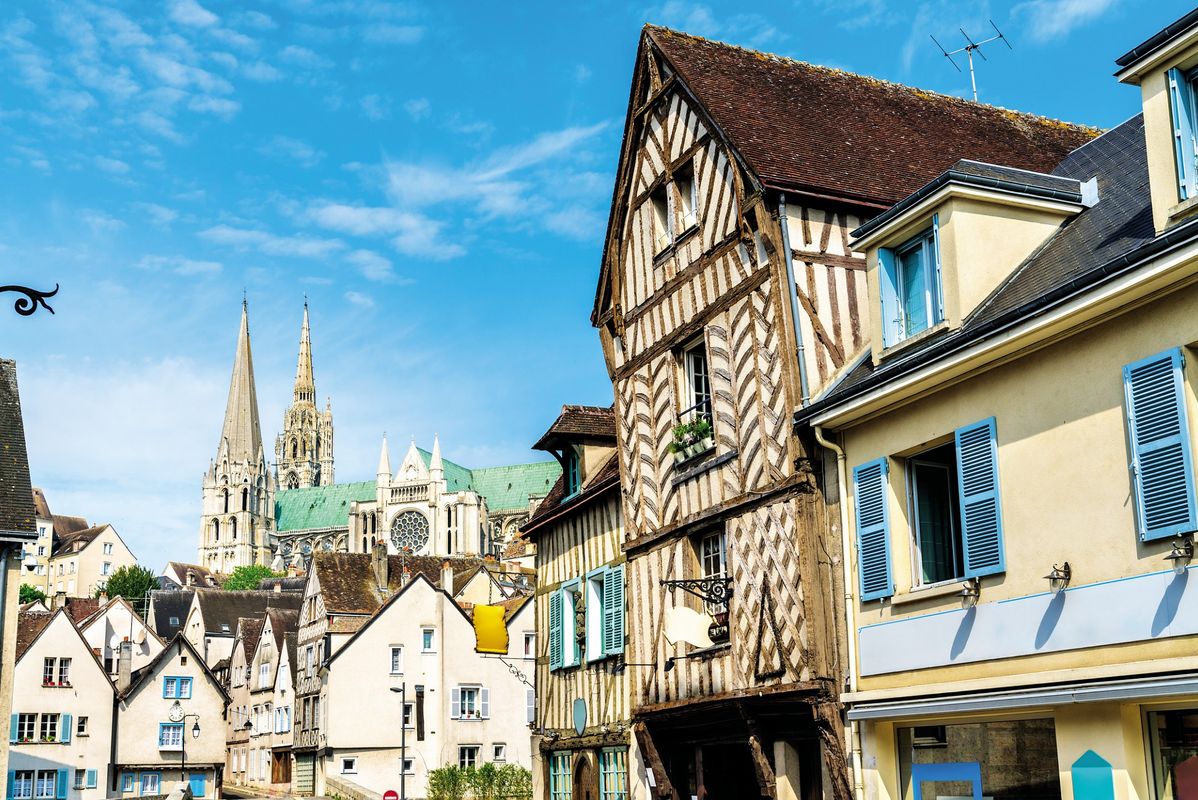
point(710, 652)
point(927, 593)
point(1183, 209)
point(697, 465)
point(664, 253)
point(910, 341)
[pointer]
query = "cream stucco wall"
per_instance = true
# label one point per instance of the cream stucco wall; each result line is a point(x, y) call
point(89, 695)
point(83, 572)
point(118, 623)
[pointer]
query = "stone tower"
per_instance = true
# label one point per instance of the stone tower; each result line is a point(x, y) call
point(237, 519)
point(304, 450)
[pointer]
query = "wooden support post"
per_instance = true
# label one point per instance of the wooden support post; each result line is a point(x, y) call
point(831, 735)
point(761, 763)
point(653, 759)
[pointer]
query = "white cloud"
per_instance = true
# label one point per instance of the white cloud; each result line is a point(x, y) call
point(411, 233)
point(180, 265)
point(1046, 20)
point(99, 222)
point(256, 20)
point(295, 149)
point(189, 12)
point(303, 57)
point(697, 18)
point(582, 73)
point(111, 165)
point(359, 299)
point(418, 109)
point(375, 106)
point(388, 33)
point(219, 106)
point(300, 246)
point(157, 123)
point(261, 71)
point(373, 266)
point(158, 215)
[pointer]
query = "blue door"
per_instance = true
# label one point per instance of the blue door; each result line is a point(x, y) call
point(197, 781)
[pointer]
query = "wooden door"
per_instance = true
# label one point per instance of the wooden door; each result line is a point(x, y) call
point(585, 785)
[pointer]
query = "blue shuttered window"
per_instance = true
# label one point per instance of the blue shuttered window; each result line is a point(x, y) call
point(555, 630)
point(1181, 102)
point(1161, 461)
point(870, 494)
point(12, 728)
point(613, 611)
point(65, 730)
point(892, 315)
point(63, 784)
point(91, 779)
point(981, 508)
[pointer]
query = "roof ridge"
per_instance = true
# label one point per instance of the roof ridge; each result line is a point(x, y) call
point(869, 78)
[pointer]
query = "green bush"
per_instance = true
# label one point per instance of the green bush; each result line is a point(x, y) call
point(31, 593)
point(488, 782)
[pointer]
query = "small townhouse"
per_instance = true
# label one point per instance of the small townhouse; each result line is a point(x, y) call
point(264, 760)
point(1018, 446)
point(178, 575)
point(167, 611)
point(171, 726)
point(18, 530)
point(81, 561)
point(35, 560)
point(211, 620)
point(582, 730)
point(236, 679)
point(61, 725)
point(392, 623)
point(114, 624)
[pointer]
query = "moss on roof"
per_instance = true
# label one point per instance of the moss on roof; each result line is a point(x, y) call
point(319, 506)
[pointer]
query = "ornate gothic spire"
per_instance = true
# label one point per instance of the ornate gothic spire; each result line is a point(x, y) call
point(305, 384)
point(241, 429)
point(384, 460)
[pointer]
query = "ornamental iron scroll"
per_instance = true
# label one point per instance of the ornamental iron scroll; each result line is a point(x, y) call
point(27, 305)
point(714, 590)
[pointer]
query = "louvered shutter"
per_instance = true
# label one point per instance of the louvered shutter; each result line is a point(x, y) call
point(530, 705)
point(613, 611)
point(455, 703)
point(1181, 104)
point(1161, 463)
point(938, 286)
point(91, 779)
point(484, 703)
point(63, 784)
point(892, 315)
point(12, 779)
point(13, 725)
point(64, 733)
point(981, 506)
point(555, 630)
point(873, 529)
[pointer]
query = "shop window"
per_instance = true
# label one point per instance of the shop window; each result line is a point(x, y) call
point(1173, 738)
point(1007, 760)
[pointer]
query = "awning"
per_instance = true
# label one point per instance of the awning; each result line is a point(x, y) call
point(1040, 696)
point(490, 630)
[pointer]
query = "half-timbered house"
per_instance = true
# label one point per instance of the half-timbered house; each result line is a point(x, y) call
point(582, 729)
point(729, 296)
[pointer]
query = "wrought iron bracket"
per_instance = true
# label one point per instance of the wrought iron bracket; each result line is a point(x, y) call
point(27, 305)
point(709, 590)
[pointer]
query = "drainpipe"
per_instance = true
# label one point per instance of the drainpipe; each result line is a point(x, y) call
point(805, 395)
point(853, 734)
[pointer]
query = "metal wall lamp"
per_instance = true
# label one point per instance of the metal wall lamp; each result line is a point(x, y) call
point(1059, 577)
point(619, 665)
point(970, 591)
point(1181, 555)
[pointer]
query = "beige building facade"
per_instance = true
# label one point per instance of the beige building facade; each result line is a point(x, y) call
point(82, 561)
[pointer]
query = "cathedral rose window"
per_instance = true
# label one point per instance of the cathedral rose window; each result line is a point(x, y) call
point(409, 530)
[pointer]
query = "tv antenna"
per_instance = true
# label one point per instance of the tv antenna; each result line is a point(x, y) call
point(969, 49)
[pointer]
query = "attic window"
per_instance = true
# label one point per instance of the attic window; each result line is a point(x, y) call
point(174, 622)
point(1185, 128)
point(912, 300)
point(224, 626)
point(663, 218)
point(684, 180)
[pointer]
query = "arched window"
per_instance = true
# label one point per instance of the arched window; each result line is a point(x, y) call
point(292, 480)
point(317, 448)
point(226, 494)
point(294, 448)
point(365, 549)
point(245, 499)
point(216, 530)
point(233, 528)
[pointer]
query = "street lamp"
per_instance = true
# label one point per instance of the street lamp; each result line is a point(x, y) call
point(177, 715)
point(402, 691)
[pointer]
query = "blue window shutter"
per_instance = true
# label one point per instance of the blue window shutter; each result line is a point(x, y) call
point(91, 779)
point(12, 778)
point(1180, 101)
point(13, 724)
point(873, 529)
point(888, 283)
point(455, 703)
point(555, 630)
point(484, 702)
point(1161, 463)
point(63, 784)
point(613, 610)
point(64, 730)
point(938, 282)
point(981, 506)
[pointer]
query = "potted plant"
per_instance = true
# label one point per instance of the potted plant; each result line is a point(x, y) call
point(691, 439)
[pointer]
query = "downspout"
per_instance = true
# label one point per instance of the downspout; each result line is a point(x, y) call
point(853, 733)
point(793, 290)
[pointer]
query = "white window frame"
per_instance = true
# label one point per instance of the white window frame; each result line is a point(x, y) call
point(530, 644)
point(146, 786)
point(713, 553)
point(663, 218)
point(396, 660)
point(349, 765)
point(477, 753)
point(45, 778)
point(428, 640)
point(22, 784)
point(593, 611)
point(499, 751)
point(476, 692)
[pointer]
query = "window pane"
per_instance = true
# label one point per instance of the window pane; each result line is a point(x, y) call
point(937, 537)
point(1174, 736)
point(913, 289)
point(1016, 759)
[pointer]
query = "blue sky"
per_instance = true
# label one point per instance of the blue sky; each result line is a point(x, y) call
point(434, 177)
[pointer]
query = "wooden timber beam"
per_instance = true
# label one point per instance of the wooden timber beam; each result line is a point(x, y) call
point(831, 733)
point(766, 781)
point(644, 739)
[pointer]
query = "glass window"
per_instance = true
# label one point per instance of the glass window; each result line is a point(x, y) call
point(560, 777)
point(1007, 760)
point(80, 778)
point(936, 513)
point(469, 702)
point(149, 783)
point(573, 480)
point(170, 736)
point(396, 660)
point(263, 675)
point(663, 218)
point(499, 752)
point(917, 284)
point(22, 784)
point(64, 672)
point(1173, 737)
point(81, 726)
point(593, 610)
point(127, 782)
point(426, 640)
point(26, 727)
point(48, 671)
point(698, 383)
point(409, 766)
point(530, 645)
point(49, 731)
point(349, 765)
point(684, 180)
point(46, 780)
point(106, 568)
point(468, 755)
point(409, 714)
point(613, 774)
point(713, 562)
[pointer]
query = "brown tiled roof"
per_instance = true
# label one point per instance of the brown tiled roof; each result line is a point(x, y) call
point(348, 585)
point(222, 609)
point(282, 622)
point(40, 506)
point(347, 624)
point(251, 632)
point(579, 422)
point(201, 576)
point(29, 627)
point(65, 525)
point(16, 493)
point(77, 540)
point(80, 608)
point(813, 129)
point(607, 477)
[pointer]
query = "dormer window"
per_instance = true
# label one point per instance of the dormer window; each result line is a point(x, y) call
point(572, 475)
point(684, 180)
point(912, 299)
point(1181, 101)
point(675, 208)
point(663, 218)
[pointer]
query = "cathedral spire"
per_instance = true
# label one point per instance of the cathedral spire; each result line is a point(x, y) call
point(435, 465)
point(384, 461)
point(305, 384)
point(241, 430)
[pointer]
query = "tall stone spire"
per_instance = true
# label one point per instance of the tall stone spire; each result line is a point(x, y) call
point(305, 384)
point(384, 470)
point(241, 431)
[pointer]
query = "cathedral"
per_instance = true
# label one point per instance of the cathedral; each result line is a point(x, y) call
point(255, 512)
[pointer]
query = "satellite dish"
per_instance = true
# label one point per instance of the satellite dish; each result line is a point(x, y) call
point(140, 638)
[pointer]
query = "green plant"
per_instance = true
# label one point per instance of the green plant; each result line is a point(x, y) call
point(132, 583)
point(487, 782)
point(447, 783)
point(248, 577)
point(31, 593)
point(688, 434)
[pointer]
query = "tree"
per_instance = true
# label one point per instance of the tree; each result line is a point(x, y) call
point(132, 583)
point(31, 593)
point(249, 576)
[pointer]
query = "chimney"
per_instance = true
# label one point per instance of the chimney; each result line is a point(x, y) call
point(60, 600)
point(278, 587)
point(103, 597)
point(378, 559)
point(124, 666)
point(447, 577)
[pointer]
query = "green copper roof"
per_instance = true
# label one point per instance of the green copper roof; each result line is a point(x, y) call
point(456, 476)
point(508, 488)
point(319, 506)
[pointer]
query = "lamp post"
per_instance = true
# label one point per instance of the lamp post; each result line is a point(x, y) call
point(177, 715)
point(402, 691)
